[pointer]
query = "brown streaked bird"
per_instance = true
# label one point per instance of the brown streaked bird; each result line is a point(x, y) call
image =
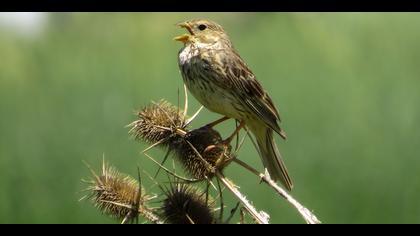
point(222, 82)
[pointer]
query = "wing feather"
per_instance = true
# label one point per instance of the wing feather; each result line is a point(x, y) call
point(231, 73)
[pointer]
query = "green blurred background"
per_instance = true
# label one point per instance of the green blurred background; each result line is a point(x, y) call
point(347, 86)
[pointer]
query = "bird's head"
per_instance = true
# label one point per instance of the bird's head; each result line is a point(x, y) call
point(203, 32)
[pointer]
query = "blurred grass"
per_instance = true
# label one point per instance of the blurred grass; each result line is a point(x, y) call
point(347, 86)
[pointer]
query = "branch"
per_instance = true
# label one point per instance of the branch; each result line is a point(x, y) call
point(306, 214)
point(260, 217)
point(149, 215)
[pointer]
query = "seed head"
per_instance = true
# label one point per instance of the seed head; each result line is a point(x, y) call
point(201, 152)
point(184, 204)
point(116, 194)
point(157, 122)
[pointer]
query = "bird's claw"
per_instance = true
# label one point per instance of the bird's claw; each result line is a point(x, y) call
point(209, 148)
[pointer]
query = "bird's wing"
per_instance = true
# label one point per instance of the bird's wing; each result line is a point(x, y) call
point(239, 77)
point(261, 104)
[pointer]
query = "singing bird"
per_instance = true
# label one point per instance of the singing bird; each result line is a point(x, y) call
point(222, 82)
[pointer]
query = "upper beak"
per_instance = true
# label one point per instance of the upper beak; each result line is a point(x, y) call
point(186, 26)
point(185, 37)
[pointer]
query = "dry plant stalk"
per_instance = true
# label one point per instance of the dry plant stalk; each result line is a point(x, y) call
point(203, 155)
point(306, 214)
point(207, 137)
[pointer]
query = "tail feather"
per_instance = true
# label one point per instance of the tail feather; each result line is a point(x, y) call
point(271, 157)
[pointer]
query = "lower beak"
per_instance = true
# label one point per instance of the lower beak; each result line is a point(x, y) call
point(183, 38)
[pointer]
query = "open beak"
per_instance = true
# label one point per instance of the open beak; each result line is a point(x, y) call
point(185, 37)
point(186, 26)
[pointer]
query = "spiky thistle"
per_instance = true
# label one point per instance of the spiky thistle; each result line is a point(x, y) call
point(158, 123)
point(185, 204)
point(202, 152)
point(118, 195)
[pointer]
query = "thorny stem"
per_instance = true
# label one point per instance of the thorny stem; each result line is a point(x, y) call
point(306, 214)
point(260, 218)
point(170, 172)
point(222, 205)
point(150, 216)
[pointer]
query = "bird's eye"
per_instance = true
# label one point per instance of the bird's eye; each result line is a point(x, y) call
point(202, 27)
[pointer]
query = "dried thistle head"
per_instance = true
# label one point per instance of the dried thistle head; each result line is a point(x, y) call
point(116, 194)
point(184, 204)
point(158, 122)
point(201, 152)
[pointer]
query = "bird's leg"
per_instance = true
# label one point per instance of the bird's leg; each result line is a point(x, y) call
point(240, 126)
point(229, 139)
point(210, 126)
point(216, 122)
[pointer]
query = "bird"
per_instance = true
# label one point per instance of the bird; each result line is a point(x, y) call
point(217, 76)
